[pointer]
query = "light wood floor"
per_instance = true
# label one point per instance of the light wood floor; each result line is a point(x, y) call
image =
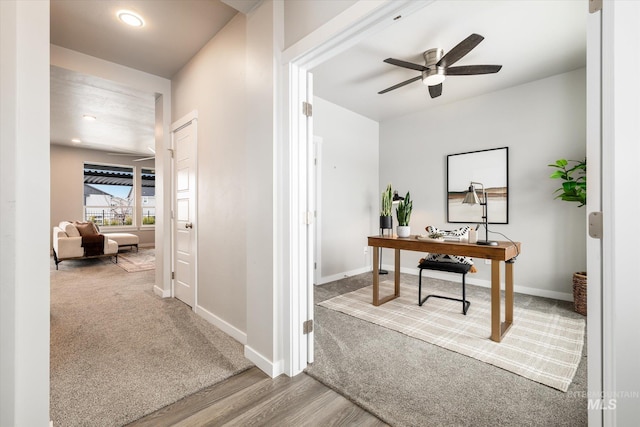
point(253, 399)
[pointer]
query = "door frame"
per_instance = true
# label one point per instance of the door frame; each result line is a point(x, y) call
point(366, 18)
point(317, 217)
point(192, 118)
point(304, 56)
point(594, 204)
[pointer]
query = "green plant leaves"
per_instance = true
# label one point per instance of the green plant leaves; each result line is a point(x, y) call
point(574, 175)
point(403, 211)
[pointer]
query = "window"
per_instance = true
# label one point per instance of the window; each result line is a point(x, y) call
point(148, 182)
point(109, 196)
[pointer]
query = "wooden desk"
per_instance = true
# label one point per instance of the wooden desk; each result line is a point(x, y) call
point(505, 251)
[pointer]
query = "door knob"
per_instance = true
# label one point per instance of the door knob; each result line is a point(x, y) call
point(188, 225)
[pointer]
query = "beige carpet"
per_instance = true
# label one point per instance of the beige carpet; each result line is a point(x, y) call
point(543, 347)
point(119, 352)
point(141, 260)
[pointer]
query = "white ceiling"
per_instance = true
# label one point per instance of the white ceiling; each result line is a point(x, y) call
point(124, 116)
point(530, 39)
point(174, 31)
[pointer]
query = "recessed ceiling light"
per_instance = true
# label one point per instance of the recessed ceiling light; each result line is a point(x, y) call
point(130, 18)
point(89, 117)
point(76, 141)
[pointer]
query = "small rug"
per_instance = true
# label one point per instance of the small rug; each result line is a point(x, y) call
point(142, 260)
point(542, 347)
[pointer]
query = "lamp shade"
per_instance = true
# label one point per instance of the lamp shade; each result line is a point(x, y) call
point(471, 198)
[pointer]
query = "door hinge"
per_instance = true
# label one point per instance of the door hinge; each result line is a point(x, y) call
point(315, 265)
point(307, 109)
point(173, 275)
point(307, 327)
point(595, 6)
point(171, 151)
point(595, 225)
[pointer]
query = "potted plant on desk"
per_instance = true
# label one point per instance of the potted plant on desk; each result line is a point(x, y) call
point(385, 210)
point(573, 174)
point(403, 212)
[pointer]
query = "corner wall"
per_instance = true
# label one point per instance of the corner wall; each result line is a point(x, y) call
point(24, 222)
point(540, 122)
point(213, 83)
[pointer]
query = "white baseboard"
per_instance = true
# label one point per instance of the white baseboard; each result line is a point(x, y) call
point(334, 277)
point(224, 326)
point(273, 369)
point(146, 245)
point(562, 296)
point(162, 293)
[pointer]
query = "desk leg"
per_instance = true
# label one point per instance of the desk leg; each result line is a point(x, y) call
point(376, 280)
point(397, 273)
point(508, 293)
point(495, 301)
point(376, 276)
point(499, 328)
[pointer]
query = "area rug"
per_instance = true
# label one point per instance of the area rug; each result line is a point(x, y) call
point(142, 260)
point(542, 347)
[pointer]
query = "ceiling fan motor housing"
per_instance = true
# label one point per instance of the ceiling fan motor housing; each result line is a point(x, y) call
point(432, 56)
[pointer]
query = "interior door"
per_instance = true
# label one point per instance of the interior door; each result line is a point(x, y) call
point(184, 216)
point(594, 204)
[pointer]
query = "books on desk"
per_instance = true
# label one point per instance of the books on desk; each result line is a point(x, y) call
point(452, 238)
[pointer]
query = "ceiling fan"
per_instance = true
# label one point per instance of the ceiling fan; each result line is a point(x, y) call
point(437, 66)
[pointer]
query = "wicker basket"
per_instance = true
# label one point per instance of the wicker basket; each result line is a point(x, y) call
point(580, 292)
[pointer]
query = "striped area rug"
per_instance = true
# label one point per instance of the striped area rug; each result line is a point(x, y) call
point(542, 347)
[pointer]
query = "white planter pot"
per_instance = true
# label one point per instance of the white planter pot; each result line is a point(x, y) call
point(404, 231)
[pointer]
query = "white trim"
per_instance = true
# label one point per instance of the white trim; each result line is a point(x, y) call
point(224, 326)
point(608, 203)
point(350, 273)
point(348, 29)
point(162, 293)
point(273, 369)
point(191, 116)
point(594, 204)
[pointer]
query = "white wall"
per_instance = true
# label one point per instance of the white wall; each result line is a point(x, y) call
point(67, 184)
point(213, 83)
point(349, 210)
point(302, 17)
point(539, 122)
point(620, 173)
point(24, 222)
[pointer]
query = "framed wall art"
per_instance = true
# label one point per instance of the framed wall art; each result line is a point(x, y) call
point(491, 169)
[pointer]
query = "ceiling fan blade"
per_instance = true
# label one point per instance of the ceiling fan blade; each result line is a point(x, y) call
point(144, 158)
point(405, 64)
point(460, 50)
point(406, 82)
point(435, 91)
point(468, 70)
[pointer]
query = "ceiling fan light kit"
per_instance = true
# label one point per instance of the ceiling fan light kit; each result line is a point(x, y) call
point(437, 66)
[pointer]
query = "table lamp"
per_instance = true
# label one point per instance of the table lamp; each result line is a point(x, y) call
point(471, 198)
